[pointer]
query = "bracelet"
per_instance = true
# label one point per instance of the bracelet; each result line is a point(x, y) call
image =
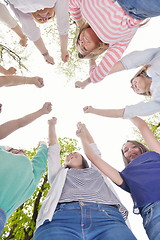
point(45, 54)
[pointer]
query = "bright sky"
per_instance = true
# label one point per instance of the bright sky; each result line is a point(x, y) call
point(68, 103)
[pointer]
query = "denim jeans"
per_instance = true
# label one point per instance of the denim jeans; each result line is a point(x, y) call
point(151, 220)
point(2, 220)
point(85, 221)
point(141, 9)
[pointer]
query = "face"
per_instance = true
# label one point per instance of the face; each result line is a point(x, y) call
point(74, 160)
point(139, 84)
point(44, 15)
point(131, 151)
point(16, 151)
point(87, 41)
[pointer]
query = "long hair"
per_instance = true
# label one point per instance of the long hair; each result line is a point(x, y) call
point(143, 72)
point(84, 164)
point(95, 52)
point(142, 148)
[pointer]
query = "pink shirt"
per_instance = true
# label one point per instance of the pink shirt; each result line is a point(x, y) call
point(111, 24)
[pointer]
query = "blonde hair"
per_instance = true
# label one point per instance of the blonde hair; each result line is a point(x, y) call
point(143, 72)
point(95, 52)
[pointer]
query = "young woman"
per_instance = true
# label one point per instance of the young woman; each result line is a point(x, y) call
point(80, 203)
point(11, 23)
point(114, 26)
point(42, 11)
point(19, 175)
point(140, 177)
point(146, 82)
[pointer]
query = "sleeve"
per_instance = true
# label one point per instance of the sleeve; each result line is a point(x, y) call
point(112, 55)
point(142, 109)
point(39, 162)
point(29, 26)
point(54, 164)
point(62, 16)
point(124, 186)
point(137, 58)
point(97, 151)
point(74, 10)
point(6, 18)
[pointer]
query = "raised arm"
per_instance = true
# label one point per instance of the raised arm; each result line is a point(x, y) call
point(52, 132)
point(104, 167)
point(11, 126)
point(147, 134)
point(7, 81)
point(115, 113)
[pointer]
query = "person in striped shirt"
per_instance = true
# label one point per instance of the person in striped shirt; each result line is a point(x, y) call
point(81, 203)
point(110, 25)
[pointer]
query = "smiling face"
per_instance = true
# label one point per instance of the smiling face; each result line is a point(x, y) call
point(44, 15)
point(87, 41)
point(74, 160)
point(140, 84)
point(131, 151)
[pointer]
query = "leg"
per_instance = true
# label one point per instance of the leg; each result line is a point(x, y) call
point(151, 220)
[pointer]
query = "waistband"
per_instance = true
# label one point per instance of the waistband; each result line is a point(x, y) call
point(89, 204)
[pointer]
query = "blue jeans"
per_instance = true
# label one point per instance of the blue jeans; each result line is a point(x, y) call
point(84, 221)
point(141, 9)
point(151, 220)
point(2, 220)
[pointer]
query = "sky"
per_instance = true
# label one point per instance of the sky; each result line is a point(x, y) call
point(68, 102)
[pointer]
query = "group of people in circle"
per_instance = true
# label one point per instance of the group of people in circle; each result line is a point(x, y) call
point(81, 202)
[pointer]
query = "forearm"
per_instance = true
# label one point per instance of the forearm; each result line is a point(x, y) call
point(63, 42)
point(114, 113)
point(17, 29)
point(41, 47)
point(104, 167)
point(52, 135)
point(7, 81)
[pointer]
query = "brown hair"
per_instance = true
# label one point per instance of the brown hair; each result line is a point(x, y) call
point(84, 163)
point(142, 148)
point(143, 72)
point(95, 52)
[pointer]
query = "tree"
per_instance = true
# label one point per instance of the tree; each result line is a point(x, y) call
point(21, 225)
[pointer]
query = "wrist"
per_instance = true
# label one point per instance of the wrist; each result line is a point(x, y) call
point(45, 53)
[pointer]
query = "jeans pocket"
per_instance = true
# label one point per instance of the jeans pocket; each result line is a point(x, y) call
point(147, 217)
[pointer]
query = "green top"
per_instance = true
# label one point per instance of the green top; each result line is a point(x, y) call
point(19, 177)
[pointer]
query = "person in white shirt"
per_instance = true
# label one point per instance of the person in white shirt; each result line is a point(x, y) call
point(145, 82)
point(29, 11)
point(10, 22)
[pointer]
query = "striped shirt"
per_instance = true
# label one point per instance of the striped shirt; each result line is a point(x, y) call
point(111, 24)
point(88, 185)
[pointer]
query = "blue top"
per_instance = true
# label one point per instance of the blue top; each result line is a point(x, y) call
point(142, 179)
point(19, 177)
point(136, 59)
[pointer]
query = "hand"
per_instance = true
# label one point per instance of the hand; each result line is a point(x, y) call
point(23, 41)
point(0, 107)
point(47, 108)
point(38, 82)
point(65, 56)
point(52, 121)
point(83, 84)
point(10, 71)
point(88, 109)
point(49, 59)
point(41, 142)
point(81, 129)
